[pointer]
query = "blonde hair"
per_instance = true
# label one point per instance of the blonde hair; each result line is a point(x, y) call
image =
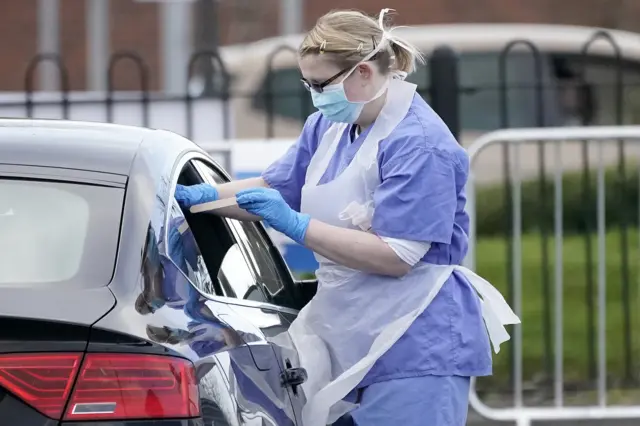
point(348, 36)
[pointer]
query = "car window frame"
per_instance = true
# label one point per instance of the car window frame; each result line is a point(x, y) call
point(180, 163)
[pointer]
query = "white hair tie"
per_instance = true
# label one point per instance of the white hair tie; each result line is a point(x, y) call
point(381, 17)
point(387, 34)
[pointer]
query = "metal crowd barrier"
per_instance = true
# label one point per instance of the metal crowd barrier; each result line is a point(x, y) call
point(521, 414)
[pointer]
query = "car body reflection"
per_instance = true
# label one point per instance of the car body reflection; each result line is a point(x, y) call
point(221, 337)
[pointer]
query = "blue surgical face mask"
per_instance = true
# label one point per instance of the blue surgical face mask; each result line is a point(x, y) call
point(335, 106)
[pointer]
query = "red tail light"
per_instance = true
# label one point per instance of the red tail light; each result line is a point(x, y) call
point(43, 381)
point(127, 386)
point(108, 386)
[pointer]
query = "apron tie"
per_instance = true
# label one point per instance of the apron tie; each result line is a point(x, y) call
point(496, 312)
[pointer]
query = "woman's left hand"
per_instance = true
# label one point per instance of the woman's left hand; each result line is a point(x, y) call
point(274, 210)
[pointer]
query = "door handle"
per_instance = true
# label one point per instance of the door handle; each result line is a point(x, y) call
point(293, 377)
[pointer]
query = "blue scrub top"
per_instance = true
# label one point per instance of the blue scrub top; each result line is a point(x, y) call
point(421, 197)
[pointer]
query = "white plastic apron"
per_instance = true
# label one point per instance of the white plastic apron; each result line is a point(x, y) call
point(356, 317)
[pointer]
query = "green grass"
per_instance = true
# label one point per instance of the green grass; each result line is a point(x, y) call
point(491, 263)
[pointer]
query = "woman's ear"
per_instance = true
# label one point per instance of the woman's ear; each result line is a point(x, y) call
point(365, 71)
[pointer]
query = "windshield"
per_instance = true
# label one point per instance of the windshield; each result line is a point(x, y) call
point(55, 232)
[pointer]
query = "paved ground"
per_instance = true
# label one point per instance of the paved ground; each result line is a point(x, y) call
point(617, 397)
point(475, 420)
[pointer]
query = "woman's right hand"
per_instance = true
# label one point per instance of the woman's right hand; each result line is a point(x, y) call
point(188, 196)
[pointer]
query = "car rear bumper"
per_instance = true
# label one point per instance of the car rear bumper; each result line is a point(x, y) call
point(15, 412)
point(177, 422)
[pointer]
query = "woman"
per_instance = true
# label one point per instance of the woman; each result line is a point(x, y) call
point(375, 187)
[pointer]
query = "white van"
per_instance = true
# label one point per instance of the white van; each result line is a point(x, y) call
point(479, 46)
point(268, 105)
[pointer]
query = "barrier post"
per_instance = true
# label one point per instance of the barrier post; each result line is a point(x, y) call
point(445, 94)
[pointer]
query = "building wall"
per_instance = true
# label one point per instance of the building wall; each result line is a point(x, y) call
point(135, 26)
point(608, 13)
point(18, 46)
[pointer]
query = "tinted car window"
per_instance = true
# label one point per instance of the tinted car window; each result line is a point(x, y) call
point(56, 232)
point(481, 103)
point(220, 258)
point(283, 95)
point(597, 103)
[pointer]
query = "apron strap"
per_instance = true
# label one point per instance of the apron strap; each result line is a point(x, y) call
point(496, 312)
point(321, 158)
point(400, 96)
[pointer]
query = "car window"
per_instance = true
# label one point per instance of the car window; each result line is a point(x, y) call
point(261, 256)
point(601, 76)
point(481, 101)
point(58, 232)
point(479, 79)
point(282, 94)
point(234, 277)
point(203, 254)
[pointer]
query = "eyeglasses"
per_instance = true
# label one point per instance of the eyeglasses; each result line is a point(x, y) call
point(319, 87)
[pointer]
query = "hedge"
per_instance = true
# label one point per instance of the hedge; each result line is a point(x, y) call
point(621, 204)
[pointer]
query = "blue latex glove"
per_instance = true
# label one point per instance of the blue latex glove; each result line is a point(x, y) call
point(188, 196)
point(274, 210)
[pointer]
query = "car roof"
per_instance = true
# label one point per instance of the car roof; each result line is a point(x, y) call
point(97, 147)
point(463, 38)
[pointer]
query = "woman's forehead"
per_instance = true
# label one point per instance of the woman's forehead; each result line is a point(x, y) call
point(317, 68)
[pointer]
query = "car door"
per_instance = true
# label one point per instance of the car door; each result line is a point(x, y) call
point(272, 288)
point(248, 363)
